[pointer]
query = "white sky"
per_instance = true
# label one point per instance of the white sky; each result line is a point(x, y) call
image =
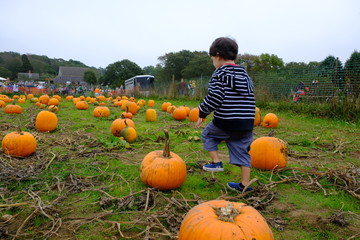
point(102, 32)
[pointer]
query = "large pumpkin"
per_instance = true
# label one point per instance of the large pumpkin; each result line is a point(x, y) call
point(13, 109)
point(82, 105)
point(164, 170)
point(119, 124)
point(131, 107)
point(19, 144)
point(223, 220)
point(101, 112)
point(270, 121)
point(44, 99)
point(268, 153)
point(46, 121)
point(179, 113)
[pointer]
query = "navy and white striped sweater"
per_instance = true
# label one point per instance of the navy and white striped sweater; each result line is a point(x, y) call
point(231, 98)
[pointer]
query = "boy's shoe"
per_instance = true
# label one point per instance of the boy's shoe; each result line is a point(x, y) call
point(238, 187)
point(214, 167)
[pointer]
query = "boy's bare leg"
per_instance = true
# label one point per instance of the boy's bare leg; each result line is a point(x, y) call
point(245, 175)
point(214, 156)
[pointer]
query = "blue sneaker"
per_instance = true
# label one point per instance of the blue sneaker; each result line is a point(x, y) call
point(238, 187)
point(214, 167)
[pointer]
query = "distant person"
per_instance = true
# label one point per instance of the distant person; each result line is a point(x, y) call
point(231, 97)
point(181, 87)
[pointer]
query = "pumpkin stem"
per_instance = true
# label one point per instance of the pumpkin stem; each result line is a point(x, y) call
point(228, 213)
point(166, 152)
point(19, 130)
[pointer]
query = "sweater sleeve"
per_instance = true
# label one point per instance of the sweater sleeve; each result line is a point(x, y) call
point(214, 97)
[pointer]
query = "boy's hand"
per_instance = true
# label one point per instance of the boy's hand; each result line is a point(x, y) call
point(199, 121)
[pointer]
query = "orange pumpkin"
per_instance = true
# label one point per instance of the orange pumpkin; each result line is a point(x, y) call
point(257, 119)
point(268, 153)
point(13, 109)
point(69, 98)
point(2, 103)
point(82, 105)
point(224, 220)
point(46, 121)
point(131, 107)
point(57, 97)
point(44, 99)
point(170, 109)
point(127, 115)
point(29, 96)
point(164, 170)
point(53, 101)
point(194, 114)
point(164, 106)
point(270, 121)
point(119, 124)
point(150, 115)
point(151, 103)
point(21, 100)
point(179, 113)
point(19, 144)
point(101, 112)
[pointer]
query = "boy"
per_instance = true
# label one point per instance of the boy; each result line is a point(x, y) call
point(231, 98)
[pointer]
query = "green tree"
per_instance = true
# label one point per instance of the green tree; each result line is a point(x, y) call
point(266, 62)
point(4, 72)
point(199, 65)
point(332, 69)
point(90, 77)
point(116, 73)
point(174, 64)
point(352, 73)
point(26, 65)
point(14, 66)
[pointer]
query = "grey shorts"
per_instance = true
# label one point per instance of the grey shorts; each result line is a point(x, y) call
point(238, 143)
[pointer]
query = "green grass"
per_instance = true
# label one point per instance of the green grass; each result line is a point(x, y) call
point(82, 164)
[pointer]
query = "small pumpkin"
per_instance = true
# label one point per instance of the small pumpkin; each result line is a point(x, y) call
point(164, 170)
point(151, 103)
point(127, 115)
point(34, 99)
point(119, 124)
point(268, 153)
point(194, 114)
point(29, 96)
point(13, 109)
point(179, 113)
point(101, 112)
point(270, 121)
point(150, 115)
point(2, 103)
point(164, 106)
point(128, 133)
point(21, 100)
point(53, 101)
point(82, 105)
point(224, 220)
point(69, 98)
point(46, 121)
point(19, 144)
point(170, 109)
point(53, 108)
point(257, 119)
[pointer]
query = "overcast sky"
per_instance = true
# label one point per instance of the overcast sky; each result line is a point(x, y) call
point(102, 32)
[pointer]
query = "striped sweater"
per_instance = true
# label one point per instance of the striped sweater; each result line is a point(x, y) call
point(231, 98)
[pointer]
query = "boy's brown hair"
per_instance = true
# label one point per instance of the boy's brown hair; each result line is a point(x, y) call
point(225, 48)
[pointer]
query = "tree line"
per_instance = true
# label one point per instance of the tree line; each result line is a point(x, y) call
point(184, 64)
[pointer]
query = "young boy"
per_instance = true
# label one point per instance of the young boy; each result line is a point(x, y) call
point(231, 98)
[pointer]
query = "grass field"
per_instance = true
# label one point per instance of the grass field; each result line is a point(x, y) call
point(83, 183)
